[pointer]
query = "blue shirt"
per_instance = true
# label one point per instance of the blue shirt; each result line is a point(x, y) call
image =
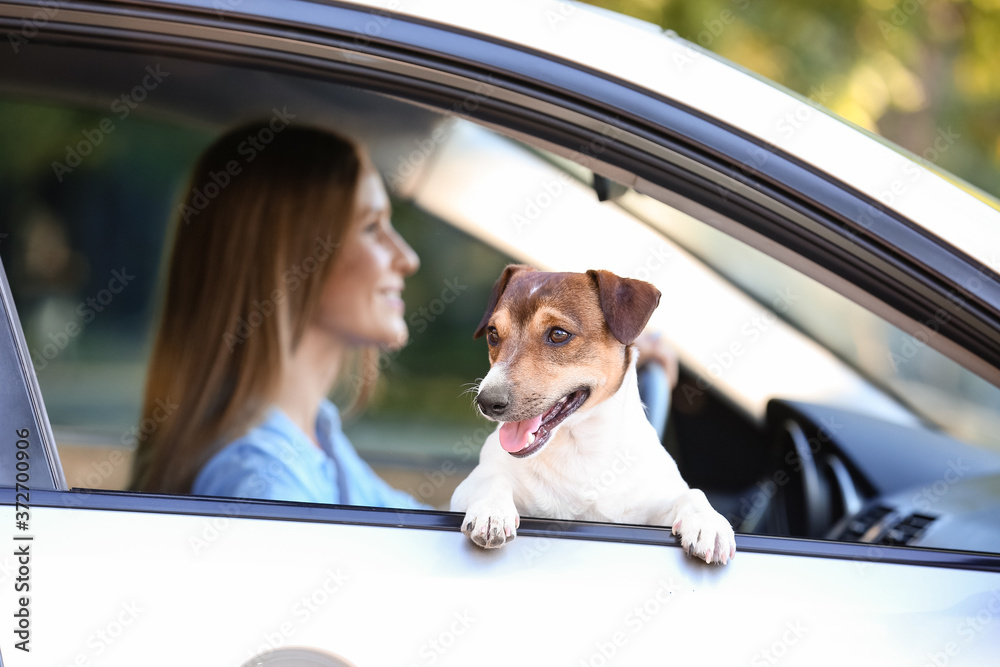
point(277, 461)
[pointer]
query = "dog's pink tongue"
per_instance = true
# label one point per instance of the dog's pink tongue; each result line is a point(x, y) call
point(514, 435)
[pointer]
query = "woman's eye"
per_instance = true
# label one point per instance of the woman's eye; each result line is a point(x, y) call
point(492, 337)
point(559, 336)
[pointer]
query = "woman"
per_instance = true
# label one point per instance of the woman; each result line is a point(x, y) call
point(285, 277)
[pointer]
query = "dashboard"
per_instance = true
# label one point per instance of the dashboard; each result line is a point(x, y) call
point(855, 478)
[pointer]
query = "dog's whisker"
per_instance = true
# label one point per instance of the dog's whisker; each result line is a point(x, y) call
point(471, 387)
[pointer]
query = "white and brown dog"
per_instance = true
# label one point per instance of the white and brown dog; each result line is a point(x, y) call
point(574, 442)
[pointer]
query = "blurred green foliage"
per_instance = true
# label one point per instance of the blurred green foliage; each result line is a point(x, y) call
point(910, 71)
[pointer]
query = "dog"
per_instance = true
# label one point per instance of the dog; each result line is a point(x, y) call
point(573, 440)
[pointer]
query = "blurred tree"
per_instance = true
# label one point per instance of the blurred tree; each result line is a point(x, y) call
point(921, 73)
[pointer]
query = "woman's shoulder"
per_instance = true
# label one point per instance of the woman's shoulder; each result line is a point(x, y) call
point(276, 437)
point(270, 461)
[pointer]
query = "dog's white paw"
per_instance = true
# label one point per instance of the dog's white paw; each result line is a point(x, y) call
point(491, 524)
point(705, 534)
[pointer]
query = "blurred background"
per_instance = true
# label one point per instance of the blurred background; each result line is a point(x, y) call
point(912, 71)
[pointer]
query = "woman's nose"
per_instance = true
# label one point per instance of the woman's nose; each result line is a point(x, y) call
point(406, 260)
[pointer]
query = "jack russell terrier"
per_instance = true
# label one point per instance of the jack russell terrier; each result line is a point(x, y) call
point(573, 441)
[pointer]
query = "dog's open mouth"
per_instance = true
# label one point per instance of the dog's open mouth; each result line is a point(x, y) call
point(524, 438)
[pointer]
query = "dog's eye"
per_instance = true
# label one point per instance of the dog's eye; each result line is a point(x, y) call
point(559, 336)
point(492, 337)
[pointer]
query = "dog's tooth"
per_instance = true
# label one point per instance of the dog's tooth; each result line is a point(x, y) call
point(531, 438)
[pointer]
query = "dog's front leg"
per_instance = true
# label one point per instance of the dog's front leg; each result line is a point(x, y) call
point(704, 533)
point(491, 519)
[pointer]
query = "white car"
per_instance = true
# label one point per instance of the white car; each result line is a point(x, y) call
point(834, 300)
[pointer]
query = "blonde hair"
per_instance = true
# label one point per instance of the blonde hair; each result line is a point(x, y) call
point(254, 243)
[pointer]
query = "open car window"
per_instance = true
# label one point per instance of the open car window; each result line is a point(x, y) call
point(85, 263)
point(93, 180)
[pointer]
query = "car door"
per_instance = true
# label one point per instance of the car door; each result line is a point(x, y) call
point(117, 578)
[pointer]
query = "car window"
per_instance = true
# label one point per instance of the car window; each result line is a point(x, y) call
point(904, 365)
point(85, 258)
point(90, 193)
point(83, 250)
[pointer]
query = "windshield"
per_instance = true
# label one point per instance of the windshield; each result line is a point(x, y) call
point(932, 385)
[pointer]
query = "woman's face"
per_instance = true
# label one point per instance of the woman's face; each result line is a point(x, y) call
point(362, 302)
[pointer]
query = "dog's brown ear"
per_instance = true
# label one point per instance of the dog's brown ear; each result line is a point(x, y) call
point(627, 303)
point(498, 288)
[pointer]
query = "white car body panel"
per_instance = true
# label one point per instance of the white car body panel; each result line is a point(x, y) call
point(199, 590)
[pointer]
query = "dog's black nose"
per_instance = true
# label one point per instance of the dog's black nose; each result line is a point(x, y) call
point(492, 405)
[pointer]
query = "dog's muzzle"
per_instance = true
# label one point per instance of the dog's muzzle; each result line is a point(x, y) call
point(526, 437)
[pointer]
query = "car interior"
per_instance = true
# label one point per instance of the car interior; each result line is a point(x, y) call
point(778, 414)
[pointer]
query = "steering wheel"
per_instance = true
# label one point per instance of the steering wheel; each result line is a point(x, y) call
point(811, 508)
point(795, 496)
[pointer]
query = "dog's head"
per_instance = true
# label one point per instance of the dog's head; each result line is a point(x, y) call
point(558, 345)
